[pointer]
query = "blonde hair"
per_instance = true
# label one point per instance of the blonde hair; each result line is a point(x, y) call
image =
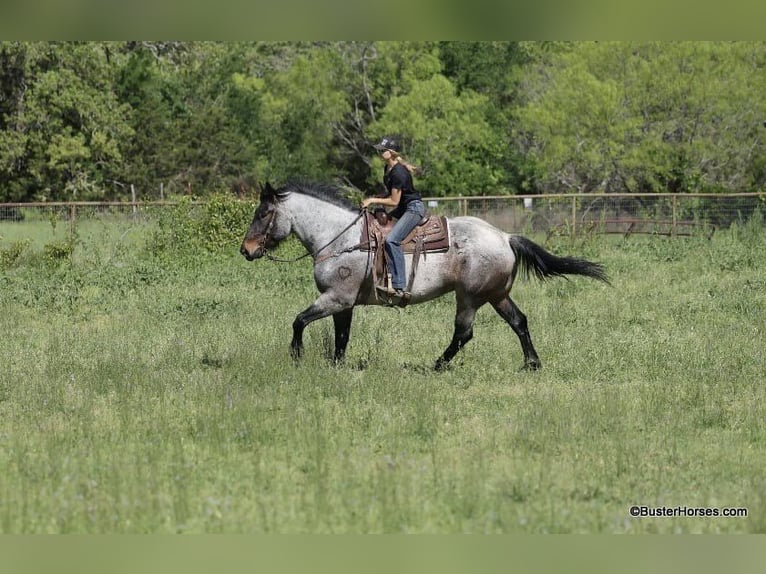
point(413, 169)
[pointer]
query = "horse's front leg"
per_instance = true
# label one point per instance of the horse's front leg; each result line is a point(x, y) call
point(327, 304)
point(342, 321)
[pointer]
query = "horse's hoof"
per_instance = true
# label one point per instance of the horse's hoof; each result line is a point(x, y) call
point(532, 366)
point(440, 366)
point(361, 365)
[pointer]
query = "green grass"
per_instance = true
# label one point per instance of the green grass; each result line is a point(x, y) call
point(144, 393)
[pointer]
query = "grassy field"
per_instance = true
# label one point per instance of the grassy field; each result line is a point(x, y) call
point(153, 393)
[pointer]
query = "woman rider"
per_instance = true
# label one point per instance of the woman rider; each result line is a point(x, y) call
point(409, 209)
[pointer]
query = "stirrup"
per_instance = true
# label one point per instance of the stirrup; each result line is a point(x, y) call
point(390, 291)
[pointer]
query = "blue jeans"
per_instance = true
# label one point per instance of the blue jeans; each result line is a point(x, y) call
point(407, 222)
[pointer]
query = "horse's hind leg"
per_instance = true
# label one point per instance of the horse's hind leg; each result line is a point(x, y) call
point(508, 310)
point(466, 313)
point(342, 321)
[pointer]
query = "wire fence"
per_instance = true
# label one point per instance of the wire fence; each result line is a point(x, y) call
point(580, 214)
point(73, 212)
point(564, 214)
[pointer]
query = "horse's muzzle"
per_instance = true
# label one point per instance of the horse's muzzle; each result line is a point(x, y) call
point(252, 251)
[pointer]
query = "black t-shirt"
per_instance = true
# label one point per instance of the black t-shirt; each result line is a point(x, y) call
point(399, 177)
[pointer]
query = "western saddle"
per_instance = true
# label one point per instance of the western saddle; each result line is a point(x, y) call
point(431, 235)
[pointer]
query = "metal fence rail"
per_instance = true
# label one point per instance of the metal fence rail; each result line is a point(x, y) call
point(565, 214)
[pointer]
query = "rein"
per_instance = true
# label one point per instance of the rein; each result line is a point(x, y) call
point(317, 251)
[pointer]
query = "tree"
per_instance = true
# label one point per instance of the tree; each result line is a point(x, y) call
point(449, 135)
point(62, 127)
point(142, 84)
point(489, 68)
point(630, 117)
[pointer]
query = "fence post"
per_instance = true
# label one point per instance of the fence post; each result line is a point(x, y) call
point(675, 217)
point(133, 199)
point(574, 216)
point(72, 218)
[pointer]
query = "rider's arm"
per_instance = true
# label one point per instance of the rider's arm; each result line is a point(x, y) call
point(391, 200)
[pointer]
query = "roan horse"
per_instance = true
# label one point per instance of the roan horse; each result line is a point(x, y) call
point(480, 265)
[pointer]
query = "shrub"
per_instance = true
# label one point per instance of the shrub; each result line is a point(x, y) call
point(11, 254)
point(224, 222)
point(58, 251)
point(214, 226)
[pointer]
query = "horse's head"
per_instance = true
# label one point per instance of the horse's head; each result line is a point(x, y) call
point(270, 225)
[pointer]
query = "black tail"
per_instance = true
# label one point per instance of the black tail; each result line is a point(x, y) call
point(535, 259)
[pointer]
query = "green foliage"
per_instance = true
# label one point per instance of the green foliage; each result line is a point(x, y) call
point(59, 251)
point(153, 99)
point(216, 225)
point(452, 140)
point(617, 116)
point(300, 108)
point(224, 221)
point(63, 130)
point(88, 120)
point(490, 68)
point(10, 255)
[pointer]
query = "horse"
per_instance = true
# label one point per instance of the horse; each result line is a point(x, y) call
point(480, 265)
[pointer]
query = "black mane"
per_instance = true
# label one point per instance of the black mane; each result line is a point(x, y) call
point(323, 191)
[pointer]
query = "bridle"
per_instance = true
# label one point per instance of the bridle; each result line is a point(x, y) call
point(313, 254)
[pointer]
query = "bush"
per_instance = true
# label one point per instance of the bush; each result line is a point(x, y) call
point(214, 226)
point(58, 251)
point(225, 221)
point(11, 254)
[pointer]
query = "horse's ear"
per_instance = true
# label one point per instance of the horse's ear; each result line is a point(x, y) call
point(267, 190)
